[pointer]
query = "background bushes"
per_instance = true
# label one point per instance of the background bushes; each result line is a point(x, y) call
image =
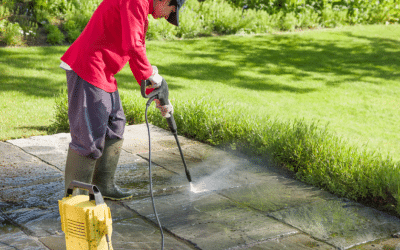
point(21, 20)
point(54, 34)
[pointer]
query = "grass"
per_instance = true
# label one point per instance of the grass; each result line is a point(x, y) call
point(29, 80)
point(346, 77)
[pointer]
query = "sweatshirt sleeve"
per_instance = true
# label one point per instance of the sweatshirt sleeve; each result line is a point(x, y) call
point(134, 26)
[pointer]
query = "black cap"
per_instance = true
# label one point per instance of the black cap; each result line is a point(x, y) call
point(174, 16)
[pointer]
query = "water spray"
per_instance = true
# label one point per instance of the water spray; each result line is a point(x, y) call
point(201, 188)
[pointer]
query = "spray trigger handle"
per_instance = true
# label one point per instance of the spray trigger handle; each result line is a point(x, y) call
point(94, 192)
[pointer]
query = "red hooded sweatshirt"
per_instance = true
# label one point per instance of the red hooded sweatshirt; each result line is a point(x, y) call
point(114, 35)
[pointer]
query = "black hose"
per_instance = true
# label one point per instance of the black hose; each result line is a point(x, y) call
point(150, 177)
point(172, 126)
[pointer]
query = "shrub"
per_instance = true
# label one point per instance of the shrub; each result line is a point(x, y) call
point(4, 12)
point(28, 27)
point(12, 34)
point(308, 18)
point(261, 23)
point(333, 17)
point(289, 22)
point(70, 25)
point(160, 29)
point(60, 122)
point(192, 22)
point(54, 36)
point(73, 35)
point(73, 31)
point(384, 11)
point(223, 18)
point(42, 16)
point(77, 15)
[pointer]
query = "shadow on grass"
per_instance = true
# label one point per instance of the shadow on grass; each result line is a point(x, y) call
point(349, 58)
point(17, 65)
point(38, 128)
point(343, 55)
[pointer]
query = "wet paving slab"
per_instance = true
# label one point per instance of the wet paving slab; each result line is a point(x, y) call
point(389, 244)
point(39, 195)
point(276, 193)
point(238, 204)
point(342, 223)
point(12, 237)
point(133, 175)
point(37, 222)
point(295, 242)
point(136, 140)
point(51, 149)
point(211, 221)
point(28, 188)
point(210, 168)
point(20, 169)
point(132, 231)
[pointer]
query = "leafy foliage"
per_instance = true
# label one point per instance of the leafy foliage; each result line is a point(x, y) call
point(201, 18)
point(54, 36)
point(12, 34)
point(60, 122)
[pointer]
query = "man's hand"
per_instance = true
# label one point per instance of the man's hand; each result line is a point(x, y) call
point(165, 110)
point(155, 79)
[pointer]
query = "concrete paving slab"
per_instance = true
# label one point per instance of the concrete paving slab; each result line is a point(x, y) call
point(41, 195)
point(386, 244)
point(211, 168)
point(134, 176)
point(12, 238)
point(210, 221)
point(38, 222)
point(19, 241)
point(195, 157)
point(137, 141)
point(275, 193)
point(341, 223)
point(54, 242)
point(135, 233)
point(19, 168)
point(52, 149)
point(291, 242)
point(247, 206)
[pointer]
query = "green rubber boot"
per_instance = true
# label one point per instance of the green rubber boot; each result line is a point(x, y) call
point(104, 172)
point(78, 168)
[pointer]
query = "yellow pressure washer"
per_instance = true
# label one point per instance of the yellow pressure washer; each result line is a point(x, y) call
point(85, 219)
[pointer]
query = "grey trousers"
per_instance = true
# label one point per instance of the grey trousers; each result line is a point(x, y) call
point(94, 116)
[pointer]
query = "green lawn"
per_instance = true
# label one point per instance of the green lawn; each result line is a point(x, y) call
point(348, 77)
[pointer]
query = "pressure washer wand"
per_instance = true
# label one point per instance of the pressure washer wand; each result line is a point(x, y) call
point(162, 94)
point(183, 159)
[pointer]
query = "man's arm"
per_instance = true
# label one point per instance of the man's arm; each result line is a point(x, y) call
point(134, 26)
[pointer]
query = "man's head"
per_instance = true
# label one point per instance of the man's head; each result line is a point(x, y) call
point(168, 9)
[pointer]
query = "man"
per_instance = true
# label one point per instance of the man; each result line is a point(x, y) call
point(114, 35)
